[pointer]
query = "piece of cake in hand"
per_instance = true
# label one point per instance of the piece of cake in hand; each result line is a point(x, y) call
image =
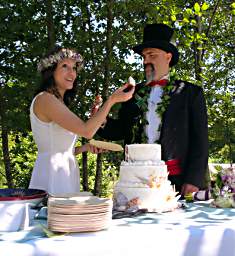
point(143, 181)
point(131, 82)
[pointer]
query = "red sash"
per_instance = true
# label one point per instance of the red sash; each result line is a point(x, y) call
point(173, 167)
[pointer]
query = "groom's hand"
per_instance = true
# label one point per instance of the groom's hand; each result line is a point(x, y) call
point(188, 189)
point(97, 103)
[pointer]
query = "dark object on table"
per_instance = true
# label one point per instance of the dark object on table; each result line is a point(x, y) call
point(120, 215)
point(10, 194)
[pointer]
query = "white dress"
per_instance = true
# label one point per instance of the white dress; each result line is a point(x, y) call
point(55, 169)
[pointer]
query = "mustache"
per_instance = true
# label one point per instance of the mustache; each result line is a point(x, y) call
point(149, 64)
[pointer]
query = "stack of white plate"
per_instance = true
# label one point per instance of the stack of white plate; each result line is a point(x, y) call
point(79, 213)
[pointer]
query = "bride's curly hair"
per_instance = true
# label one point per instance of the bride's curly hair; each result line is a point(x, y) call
point(47, 74)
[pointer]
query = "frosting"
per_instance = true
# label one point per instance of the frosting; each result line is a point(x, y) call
point(143, 181)
point(143, 152)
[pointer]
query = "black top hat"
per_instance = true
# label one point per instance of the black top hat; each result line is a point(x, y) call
point(158, 36)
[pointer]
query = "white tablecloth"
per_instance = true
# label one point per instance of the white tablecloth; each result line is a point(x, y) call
point(198, 230)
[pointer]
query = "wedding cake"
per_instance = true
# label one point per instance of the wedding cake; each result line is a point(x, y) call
point(143, 181)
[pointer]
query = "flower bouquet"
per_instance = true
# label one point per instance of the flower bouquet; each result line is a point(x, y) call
point(223, 188)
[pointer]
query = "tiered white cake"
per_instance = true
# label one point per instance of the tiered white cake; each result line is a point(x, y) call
point(143, 181)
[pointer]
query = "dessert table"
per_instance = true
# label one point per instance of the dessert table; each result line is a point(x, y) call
point(196, 230)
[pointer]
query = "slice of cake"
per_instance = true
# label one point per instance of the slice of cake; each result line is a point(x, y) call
point(143, 181)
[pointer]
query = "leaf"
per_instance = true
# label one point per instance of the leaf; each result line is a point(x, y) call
point(197, 8)
point(205, 6)
point(233, 5)
point(189, 11)
point(173, 17)
point(198, 36)
point(49, 233)
point(138, 97)
point(185, 20)
point(189, 197)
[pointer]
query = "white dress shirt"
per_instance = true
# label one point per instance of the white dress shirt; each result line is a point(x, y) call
point(154, 120)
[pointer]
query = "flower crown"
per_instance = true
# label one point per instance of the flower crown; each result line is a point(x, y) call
point(55, 58)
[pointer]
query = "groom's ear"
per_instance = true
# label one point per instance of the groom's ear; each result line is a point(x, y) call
point(169, 57)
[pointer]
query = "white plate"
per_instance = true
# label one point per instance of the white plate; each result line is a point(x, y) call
point(106, 145)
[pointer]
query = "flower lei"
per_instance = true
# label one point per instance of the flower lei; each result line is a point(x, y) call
point(62, 54)
point(142, 102)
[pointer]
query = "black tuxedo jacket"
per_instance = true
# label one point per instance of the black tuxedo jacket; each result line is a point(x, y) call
point(184, 132)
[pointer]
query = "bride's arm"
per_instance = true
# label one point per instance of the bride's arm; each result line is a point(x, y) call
point(51, 109)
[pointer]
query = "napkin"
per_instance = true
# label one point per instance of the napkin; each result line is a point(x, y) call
point(14, 216)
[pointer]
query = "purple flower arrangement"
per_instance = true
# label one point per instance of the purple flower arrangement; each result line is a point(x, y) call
point(223, 188)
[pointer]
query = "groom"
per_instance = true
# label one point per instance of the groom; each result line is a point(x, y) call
point(166, 111)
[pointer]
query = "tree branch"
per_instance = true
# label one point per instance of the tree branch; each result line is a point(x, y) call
point(210, 24)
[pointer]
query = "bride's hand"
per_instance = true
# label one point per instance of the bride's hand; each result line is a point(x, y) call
point(120, 96)
point(94, 150)
point(89, 148)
